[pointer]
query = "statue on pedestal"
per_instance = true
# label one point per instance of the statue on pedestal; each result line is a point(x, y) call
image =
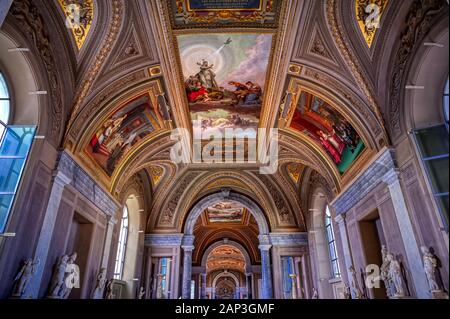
point(57, 282)
point(347, 293)
point(109, 289)
point(356, 289)
point(72, 277)
point(141, 293)
point(315, 294)
point(384, 275)
point(430, 265)
point(23, 277)
point(396, 276)
point(100, 286)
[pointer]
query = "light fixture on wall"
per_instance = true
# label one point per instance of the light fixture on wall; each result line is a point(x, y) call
point(8, 235)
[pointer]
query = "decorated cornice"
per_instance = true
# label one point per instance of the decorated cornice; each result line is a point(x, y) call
point(86, 185)
point(374, 174)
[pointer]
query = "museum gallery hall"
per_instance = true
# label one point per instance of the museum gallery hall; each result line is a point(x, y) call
point(210, 149)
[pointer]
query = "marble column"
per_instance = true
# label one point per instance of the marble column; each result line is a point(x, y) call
point(410, 241)
point(266, 272)
point(4, 9)
point(43, 246)
point(112, 221)
point(203, 287)
point(187, 271)
point(247, 284)
point(348, 259)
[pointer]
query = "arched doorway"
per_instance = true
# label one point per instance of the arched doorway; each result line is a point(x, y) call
point(228, 208)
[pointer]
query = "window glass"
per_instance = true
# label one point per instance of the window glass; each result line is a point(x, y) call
point(334, 264)
point(122, 245)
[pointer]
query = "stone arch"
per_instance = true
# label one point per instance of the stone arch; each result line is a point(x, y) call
point(226, 194)
point(229, 243)
point(225, 274)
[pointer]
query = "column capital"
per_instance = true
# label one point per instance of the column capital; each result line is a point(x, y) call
point(265, 247)
point(392, 176)
point(340, 218)
point(188, 248)
point(60, 178)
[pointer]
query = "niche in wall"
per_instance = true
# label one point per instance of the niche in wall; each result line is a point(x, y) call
point(79, 241)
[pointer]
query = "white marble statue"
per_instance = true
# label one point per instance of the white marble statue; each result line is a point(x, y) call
point(57, 282)
point(347, 293)
point(141, 293)
point(355, 285)
point(396, 276)
point(430, 266)
point(99, 289)
point(315, 294)
point(71, 278)
point(109, 289)
point(23, 278)
point(384, 272)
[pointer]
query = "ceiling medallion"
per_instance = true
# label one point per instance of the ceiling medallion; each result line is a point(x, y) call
point(368, 15)
point(79, 16)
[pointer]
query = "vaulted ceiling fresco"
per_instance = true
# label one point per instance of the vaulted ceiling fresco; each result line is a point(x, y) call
point(226, 257)
point(327, 127)
point(225, 77)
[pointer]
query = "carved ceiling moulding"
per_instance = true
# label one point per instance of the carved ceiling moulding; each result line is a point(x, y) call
point(368, 15)
point(352, 62)
point(185, 14)
point(117, 7)
point(79, 17)
point(418, 23)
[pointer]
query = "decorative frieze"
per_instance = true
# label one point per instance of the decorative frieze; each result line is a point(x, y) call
point(163, 239)
point(366, 182)
point(86, 185)
point(289, 239)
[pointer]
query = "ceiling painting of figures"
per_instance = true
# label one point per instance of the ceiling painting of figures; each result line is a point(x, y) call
point(323, 123)
point(225, 77)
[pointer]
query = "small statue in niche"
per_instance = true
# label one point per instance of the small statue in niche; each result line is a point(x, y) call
point(315, 293)
point(164, 107)
point(141, 293)
point(72, 277)
point(57, 282)
point(23, 278)
point(396, 276)
point(109, 289)
point(355, 285)
point(384, 275)
point(430, 264)
point(100, 286)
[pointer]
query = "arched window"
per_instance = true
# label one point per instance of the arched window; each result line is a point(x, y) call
point(445, 103)
point(122, 246)
point(4, 104)
point(15, 144)
point(433, 144)
point(335, 271)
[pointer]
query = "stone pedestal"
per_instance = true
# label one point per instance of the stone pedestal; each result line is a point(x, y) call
point(439, 294)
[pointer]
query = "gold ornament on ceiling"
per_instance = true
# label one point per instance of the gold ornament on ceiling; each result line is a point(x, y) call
point(79, 16)
point(368, 15)
point(294, 171)
point(157, 173)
